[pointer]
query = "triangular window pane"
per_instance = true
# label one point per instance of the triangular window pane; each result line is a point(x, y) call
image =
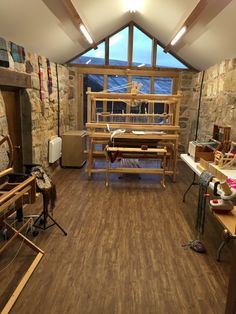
point(118, 48)
point(166, 60)
point(92, 56)
point(142, 49)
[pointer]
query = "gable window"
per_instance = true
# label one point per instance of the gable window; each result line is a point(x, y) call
point(166, 60)
point(142, 49)
point(93, 56)
point(118, 48)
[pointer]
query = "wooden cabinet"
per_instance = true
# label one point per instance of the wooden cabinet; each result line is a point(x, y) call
point(73, 146)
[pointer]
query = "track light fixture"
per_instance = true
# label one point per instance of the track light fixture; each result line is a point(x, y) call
point(86, 33)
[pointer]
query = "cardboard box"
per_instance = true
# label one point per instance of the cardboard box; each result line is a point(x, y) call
point(197, 150)
point(73, 146)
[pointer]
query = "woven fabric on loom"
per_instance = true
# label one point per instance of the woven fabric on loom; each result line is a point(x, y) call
point(49, 77)
point(41, 79)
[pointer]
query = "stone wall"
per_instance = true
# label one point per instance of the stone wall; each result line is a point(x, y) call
point(218, 101)
point(40, 117)
point(187, 109)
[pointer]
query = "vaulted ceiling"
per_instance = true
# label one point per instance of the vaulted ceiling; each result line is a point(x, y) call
point(45, 26)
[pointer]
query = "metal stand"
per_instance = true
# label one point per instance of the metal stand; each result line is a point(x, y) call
point(227, 237)
point(44, 215)
point(192, 183)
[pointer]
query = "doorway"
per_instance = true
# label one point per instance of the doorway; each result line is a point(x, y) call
point(13, 114)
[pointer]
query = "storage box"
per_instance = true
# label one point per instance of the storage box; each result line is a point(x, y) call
point(201, 150)
point(73, 146)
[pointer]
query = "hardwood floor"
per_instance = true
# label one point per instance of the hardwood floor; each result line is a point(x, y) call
point(123, 252)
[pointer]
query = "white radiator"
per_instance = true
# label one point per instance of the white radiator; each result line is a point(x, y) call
point(54, 150)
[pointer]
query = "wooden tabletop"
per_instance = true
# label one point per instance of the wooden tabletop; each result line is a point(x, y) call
point(228, 220)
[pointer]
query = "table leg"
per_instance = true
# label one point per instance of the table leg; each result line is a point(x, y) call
point(192, 183)
point(107, 168)
point(163, 173)
point(231, 295)
point(226, 239)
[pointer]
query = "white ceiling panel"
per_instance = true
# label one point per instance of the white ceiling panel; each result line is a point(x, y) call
point(44, 26)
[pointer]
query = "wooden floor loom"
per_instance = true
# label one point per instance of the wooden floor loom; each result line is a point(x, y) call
point(13, 196)
point(135, 120)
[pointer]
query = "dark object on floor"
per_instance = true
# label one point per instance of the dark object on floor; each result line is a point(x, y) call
point(197, 246)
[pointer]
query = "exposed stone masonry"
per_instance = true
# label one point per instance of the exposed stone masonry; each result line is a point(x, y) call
point(40, 117)
point(218, 102)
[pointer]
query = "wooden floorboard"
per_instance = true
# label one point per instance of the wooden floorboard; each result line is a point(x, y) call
point(123, 252)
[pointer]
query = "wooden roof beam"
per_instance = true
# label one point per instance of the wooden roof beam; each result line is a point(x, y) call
point(76, 19)
point(189, 21)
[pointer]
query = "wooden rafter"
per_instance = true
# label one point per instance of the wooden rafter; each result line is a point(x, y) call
point(76, 19)
point(191, 19)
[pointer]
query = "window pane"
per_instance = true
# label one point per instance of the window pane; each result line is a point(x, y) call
point(145, 89)
point(96, 83)
point(118, 48)
point(145, 81)
point(92, 56)
point(167, 60)
point(163, 85)
point(142, 49)
point(117, 84)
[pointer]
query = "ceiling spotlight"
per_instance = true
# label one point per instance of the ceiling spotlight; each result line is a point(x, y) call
point(133, 5)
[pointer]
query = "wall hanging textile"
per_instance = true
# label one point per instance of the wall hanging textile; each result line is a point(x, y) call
point(41, 79)
point(4, 61)
point(17, 52)
point(49, 77)
point(204, 181)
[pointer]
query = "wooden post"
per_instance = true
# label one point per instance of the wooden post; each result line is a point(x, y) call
point(128, 108)
point(130, 47)
point(107, 51)
point(93, 103)
point(80, 102)
point(177, 109)
point(154, 52)
point(175, 85)
point(151, 104)
point(89, 105)
point(105, 85)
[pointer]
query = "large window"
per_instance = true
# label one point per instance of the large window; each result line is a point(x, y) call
point(163, 85)
point(118, 48)
point(96, 83)
point(145, 89)
point(93, 56)
point(117, 84)
point(166, 60)
point(118, 52)
point(142, 49)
